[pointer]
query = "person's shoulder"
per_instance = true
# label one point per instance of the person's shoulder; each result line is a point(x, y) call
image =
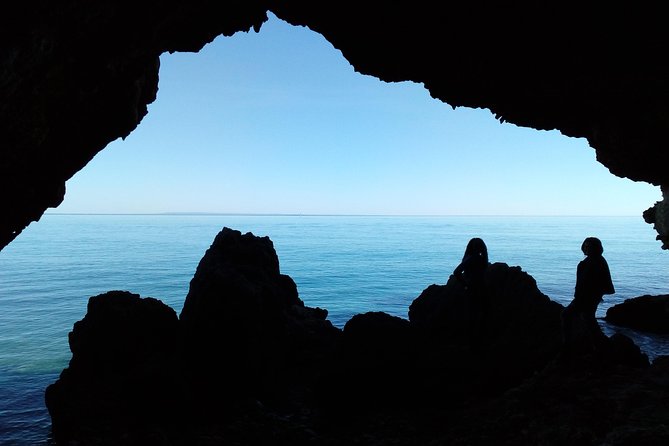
point(599, 259)
point(597, 262)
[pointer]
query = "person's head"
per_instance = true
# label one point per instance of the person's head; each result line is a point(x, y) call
point(592, 246)
point(476, 246)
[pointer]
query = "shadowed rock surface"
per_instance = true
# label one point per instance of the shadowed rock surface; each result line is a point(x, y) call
point(246, 332)
point(244, 346)
point(248, 363)
point(75, 76)
point(374, 369)
point(517, 328)
point(122, 374)
point(645, 313)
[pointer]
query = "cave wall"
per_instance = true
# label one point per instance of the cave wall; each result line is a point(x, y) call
point(76, 75)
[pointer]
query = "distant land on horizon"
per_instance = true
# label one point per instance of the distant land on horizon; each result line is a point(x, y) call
point(297, 214)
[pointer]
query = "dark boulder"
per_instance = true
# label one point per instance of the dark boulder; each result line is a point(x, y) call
point(564, 404)
point(247, 334)
point(372, 367)
point(450, 351)
point(621, 349)
point(645, 313)
point(245, 345)
point(122, 371)
point(512, 331)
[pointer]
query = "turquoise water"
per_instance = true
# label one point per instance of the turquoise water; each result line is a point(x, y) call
point(347, 265)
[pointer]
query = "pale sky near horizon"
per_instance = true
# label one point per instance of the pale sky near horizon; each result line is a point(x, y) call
point(278, 122)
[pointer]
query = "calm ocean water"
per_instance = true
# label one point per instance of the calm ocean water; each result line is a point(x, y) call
point(347, 265)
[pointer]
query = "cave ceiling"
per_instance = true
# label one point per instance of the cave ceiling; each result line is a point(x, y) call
point(77, 75)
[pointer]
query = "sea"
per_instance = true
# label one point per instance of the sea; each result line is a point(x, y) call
point(345, 264)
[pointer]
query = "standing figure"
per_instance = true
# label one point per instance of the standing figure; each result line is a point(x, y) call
point(471, 274)
point(593, 281)
point(471, 271)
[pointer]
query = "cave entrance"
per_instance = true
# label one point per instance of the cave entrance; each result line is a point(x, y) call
point(278, 123)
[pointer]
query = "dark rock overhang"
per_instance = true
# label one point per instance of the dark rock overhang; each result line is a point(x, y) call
point(76, 75)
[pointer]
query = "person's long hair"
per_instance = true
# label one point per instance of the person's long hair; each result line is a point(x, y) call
point(476, 246)
point(595, 244)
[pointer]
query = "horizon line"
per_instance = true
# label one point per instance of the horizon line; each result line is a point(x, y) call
point(296, 214)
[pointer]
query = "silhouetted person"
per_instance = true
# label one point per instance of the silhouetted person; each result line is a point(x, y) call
point(593, 281)
point(471, 274)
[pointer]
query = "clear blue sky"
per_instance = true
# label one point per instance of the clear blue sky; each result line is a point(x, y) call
point(279, 122)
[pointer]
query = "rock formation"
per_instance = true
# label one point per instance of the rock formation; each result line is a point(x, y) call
point(122, 372)
point(518, 328)
point(248, 363)
point(243, 337)
point(246, 332)
point(645, 313)
point(75, 76)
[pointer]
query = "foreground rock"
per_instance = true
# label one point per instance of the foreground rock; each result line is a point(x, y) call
point(444, 354)
point(123, 369)
point(248, 363)
point(644, 313)
point(513, 333)
point(244, 341)
point(246, 332)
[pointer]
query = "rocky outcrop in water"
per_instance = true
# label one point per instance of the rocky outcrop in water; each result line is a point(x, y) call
point(248, 363)
point(246, 332)
point(645, 313)
point(243, 337)
point(122, 374)
point(516, 328)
